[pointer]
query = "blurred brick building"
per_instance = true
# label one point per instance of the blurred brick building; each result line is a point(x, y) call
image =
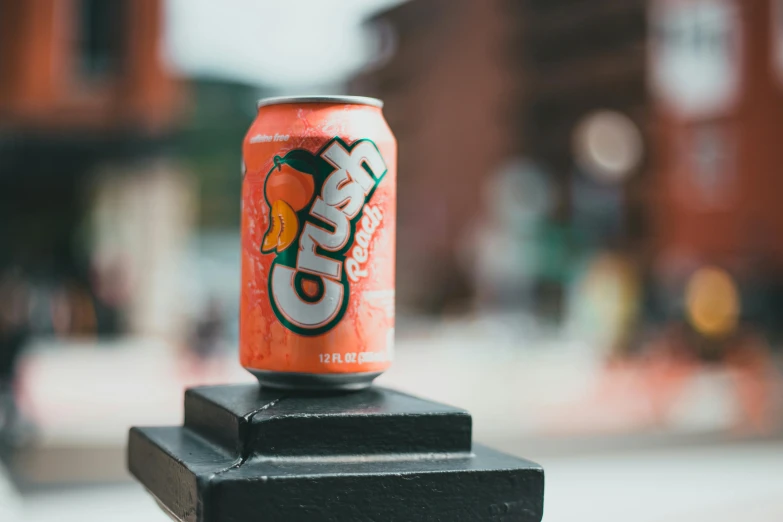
point(574, 58)
point(718, 116)
point(469, 86)
point(77, 65)
point(90, 208)
point(446, 79)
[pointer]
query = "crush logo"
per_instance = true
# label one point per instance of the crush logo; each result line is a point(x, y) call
point(317, 202)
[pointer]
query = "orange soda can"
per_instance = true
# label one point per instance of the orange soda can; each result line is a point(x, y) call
point(319, 196)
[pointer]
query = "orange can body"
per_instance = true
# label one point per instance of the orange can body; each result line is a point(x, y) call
point(319, 196)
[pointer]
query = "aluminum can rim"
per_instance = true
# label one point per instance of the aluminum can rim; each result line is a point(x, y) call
point(350, 100)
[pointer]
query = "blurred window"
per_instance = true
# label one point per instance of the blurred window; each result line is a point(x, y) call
point(100, 37)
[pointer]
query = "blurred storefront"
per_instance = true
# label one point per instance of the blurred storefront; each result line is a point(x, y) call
point(94, 216)
point(560, 135)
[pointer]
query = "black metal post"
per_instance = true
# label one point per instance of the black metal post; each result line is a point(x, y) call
point(247, 454)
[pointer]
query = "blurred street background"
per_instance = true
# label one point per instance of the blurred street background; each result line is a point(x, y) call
point(590, 237)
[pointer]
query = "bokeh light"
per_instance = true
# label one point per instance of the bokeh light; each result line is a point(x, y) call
point(712, 302)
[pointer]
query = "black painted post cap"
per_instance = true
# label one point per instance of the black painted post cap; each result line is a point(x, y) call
point(247, 454)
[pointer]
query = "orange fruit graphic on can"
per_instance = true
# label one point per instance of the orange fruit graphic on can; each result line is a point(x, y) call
point(319, 197)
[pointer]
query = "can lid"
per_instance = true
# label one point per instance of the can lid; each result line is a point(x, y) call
point(350, 100)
